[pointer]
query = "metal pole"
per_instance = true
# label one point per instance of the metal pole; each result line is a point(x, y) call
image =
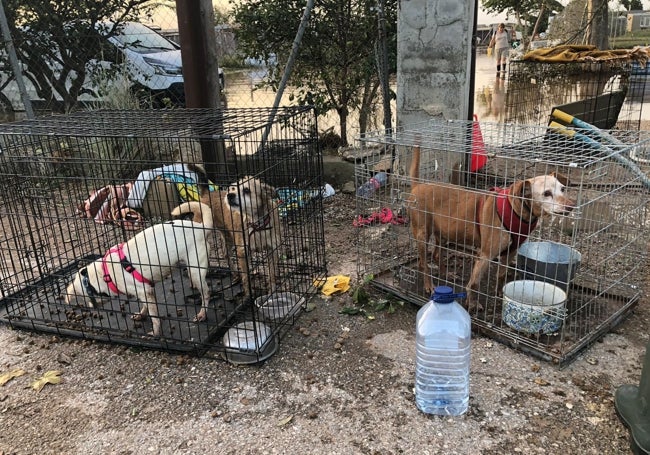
point(289, 67)
point(201, 81)
point(384, 71)
point(15, 64)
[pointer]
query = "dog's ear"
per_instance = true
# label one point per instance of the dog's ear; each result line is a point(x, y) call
point(522, 189)
point(563, 179)
point(269, 191)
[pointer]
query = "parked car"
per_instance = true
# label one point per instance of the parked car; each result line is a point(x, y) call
point(137, 58)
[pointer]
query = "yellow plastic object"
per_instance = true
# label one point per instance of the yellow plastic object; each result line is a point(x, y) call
point(562, 116)
point(333, 284)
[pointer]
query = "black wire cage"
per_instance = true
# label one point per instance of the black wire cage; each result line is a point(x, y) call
point(79, 185)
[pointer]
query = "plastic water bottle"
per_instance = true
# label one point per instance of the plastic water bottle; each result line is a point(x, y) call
point(372, 185)
point(443, 334)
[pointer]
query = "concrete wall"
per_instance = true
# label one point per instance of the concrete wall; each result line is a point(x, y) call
point(433, 59)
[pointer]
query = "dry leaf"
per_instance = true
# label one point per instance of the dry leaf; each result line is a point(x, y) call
point(51, 377)
point(540, 381)
point(285, 421)
point(6, 377)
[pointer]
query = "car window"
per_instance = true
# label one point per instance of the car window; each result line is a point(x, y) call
point(142, 39)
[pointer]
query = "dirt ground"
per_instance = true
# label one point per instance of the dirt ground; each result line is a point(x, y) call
point(338, 384)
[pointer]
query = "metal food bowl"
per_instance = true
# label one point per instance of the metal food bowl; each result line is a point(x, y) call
point(249, 342)
point(533, 306)
point(279, 305)
point(551, 262)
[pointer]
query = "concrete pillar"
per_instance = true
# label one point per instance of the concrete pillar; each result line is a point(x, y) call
point(434, 60)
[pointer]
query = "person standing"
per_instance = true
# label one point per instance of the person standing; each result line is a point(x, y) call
point(501, 43)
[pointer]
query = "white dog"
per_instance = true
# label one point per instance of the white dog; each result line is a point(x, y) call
point(133, 267)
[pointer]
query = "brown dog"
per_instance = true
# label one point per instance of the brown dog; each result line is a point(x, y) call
point(495, 222)
point(249, 219)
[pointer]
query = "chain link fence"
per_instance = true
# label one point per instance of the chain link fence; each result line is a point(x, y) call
point(55, 64)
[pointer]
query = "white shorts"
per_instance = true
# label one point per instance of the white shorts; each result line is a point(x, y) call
point(502, 54)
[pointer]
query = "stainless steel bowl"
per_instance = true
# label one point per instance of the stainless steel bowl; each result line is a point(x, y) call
point(249, 342)
point(279, 305)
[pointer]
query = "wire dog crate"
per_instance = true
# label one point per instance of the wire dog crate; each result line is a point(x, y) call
point(598, 250)
point(80, 184)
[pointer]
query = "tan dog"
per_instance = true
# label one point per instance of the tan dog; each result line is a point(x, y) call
point(248, 218)
point(132, 268)
point(494, 222)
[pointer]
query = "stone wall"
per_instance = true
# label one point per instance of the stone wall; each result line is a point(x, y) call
point(434, 59)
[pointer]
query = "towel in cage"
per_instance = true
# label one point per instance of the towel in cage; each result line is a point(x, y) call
point(291, 200)
point(123, 204)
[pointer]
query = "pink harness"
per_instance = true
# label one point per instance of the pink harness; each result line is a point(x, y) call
point(518, 228)
point(119, 249)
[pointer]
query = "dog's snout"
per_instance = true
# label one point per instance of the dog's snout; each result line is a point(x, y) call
point(232, 198)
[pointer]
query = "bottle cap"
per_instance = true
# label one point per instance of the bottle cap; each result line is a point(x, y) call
point(445, 294)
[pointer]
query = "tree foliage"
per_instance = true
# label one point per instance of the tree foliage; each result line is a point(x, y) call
point(582, 22)
point(336, 68)
point(569, 26)
point(631, 5)
point(56, 40)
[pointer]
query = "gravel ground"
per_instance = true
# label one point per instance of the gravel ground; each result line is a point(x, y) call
point(339, 384)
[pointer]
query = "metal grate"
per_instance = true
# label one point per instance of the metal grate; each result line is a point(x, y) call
point(607, 229)
point(51, 166)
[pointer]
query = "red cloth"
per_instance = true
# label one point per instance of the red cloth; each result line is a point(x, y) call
point(384, 216)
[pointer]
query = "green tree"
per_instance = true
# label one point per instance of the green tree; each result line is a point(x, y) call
point(55, 41)
point(569, 25)
point(336, 67)
point(631, 5)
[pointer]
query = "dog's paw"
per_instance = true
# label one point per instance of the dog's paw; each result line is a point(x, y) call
point(201, 316)
point(474, 307)
point(139, 317)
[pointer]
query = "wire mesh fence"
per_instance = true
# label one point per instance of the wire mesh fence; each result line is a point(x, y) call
point(79, 62)
point(606, 94)
point(88, 249)
point(545, 228)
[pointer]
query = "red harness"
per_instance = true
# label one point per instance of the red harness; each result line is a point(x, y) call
point(512, 222)
point(119, 249)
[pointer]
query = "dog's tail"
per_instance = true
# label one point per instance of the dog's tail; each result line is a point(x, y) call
point(201, 213)
point(414, 171)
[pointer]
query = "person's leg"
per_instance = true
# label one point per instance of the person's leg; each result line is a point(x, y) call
point(498, 53)
point(504, 60)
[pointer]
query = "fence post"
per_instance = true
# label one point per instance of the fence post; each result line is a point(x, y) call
point(15, 65)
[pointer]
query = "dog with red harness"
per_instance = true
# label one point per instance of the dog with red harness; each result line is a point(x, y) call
point(132, 268)
point(496, 222)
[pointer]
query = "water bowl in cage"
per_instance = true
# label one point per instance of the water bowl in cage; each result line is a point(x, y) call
point(533, 306)
point(249, 342)
point(551, 262)
point(279, 305)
